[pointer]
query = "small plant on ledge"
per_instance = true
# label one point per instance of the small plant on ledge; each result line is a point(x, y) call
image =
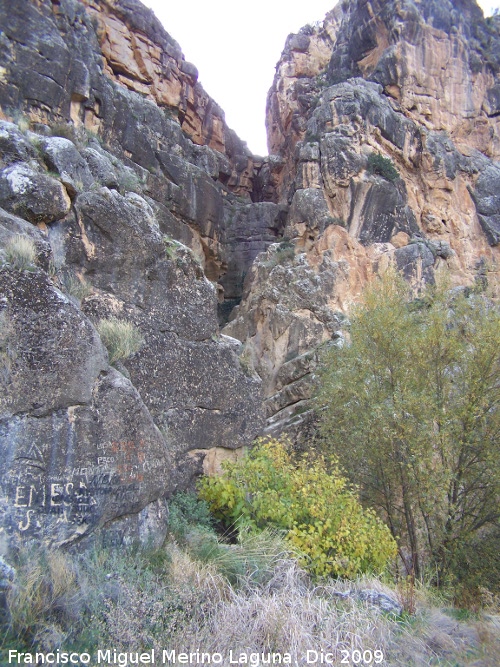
point(20, 253)
point(122, 339)
point(382, 166)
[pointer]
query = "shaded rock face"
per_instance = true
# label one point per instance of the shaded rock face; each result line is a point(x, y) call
point(122, 173)
point(87, 445)
point(109, 70)
point(79, 447)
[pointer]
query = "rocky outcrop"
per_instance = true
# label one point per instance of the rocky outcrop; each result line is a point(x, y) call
point(78, 445)
point(383, 126)
point(109, 72)
point(412, 85)
point(123, 194)
point(85, 444)
point(286, 313)
point(62, 62)
point(139, 54)
point(123, 173)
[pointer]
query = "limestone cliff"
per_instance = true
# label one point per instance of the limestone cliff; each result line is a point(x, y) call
point(143, 205)
point(383, 122)
point(122, 171)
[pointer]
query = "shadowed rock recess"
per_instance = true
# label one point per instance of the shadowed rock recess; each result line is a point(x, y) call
point(141, 204)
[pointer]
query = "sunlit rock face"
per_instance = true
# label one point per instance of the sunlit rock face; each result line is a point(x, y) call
point(383, 127)
point(416, 83)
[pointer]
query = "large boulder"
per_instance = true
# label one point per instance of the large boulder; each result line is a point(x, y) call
point(79, 446)
point(33, 195)
point(61, 156)
point(51, 355)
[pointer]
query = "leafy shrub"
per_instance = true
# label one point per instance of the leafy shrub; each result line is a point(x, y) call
point(20, 252)
point(122, 339)
point(411, 408)
point(310, 501)
point(476, 567)
point(383, 166)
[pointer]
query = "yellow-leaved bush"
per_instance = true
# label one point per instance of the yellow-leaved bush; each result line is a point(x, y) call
point(310, 500)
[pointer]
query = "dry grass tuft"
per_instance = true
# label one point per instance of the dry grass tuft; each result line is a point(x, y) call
point(20, 252)
point(122, 339)
point(45, 591)
point(288, 615)
point(76, 286)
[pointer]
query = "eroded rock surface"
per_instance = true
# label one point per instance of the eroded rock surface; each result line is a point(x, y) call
point(79, 448)
point(121, 170)
point(385, 140)
point(142, 204)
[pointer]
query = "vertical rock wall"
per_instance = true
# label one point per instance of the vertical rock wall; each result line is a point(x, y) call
point(384, 125)
point(122, 172)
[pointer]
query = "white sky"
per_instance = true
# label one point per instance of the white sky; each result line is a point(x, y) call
point(235, 45)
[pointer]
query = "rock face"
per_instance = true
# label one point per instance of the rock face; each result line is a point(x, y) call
point(123, 194)
point(123, 174)
point(384, 132)
point(78, 444)
point(109, 71)
point(413, 85)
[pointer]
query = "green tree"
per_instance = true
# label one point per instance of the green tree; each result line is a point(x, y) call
point(382, 166)
point(411, 408)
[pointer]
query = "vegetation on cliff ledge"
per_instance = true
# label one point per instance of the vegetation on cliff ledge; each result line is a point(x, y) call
point(121, 338)
point(382, 166)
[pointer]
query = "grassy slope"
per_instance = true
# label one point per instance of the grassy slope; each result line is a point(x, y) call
point(215, 597)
